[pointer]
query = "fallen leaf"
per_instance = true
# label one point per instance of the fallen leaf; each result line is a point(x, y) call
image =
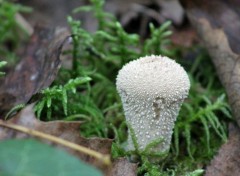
point(122, 167)
point(159, 10)
point(37, 69)
point(65, 130)
point(172, 10)
point(227, 161)
point(51, 13)
point(186, 37)
point(221, 14)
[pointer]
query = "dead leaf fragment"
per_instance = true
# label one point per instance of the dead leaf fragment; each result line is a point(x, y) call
point(51, 13)
point(37, 69)
point(221, 14)
point(122, 167)
point(185, 37)
point(227, 161)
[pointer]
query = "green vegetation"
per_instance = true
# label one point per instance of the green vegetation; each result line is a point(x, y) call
point(87, 93)
point(2, 63)
point(11, 32)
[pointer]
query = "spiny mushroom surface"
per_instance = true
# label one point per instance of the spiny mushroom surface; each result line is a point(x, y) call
point(152, 90)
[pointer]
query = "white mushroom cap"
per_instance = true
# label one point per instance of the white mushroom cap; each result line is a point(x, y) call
point(152, 90)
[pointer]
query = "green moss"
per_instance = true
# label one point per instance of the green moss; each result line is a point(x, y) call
point(2, 64)
point(11, 32)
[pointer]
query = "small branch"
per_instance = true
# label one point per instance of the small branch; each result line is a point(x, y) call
point(24, 24)
point(102, 157)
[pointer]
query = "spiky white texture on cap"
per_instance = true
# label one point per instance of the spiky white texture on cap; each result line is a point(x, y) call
point(152, 90)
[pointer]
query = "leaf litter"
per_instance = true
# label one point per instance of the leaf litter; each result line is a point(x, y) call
point(218, 26)
point(36, 70)
point(227, 162)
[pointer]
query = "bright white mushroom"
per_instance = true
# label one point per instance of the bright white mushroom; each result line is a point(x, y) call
point(152, 90)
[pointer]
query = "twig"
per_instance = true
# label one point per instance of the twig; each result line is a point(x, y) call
point(102, 157)
point(24, 24)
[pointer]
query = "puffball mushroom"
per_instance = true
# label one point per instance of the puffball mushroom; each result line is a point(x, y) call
point(152, 90)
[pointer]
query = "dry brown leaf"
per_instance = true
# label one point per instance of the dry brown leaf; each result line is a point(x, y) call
point(186, 37)
point(128, 9)
point(221, 14)
point(122, 167)
point(230, 154)
point(50, 13)
point(65, 130)
point(37, 69)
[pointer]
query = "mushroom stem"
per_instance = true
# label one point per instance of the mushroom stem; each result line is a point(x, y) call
point(152, 90)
